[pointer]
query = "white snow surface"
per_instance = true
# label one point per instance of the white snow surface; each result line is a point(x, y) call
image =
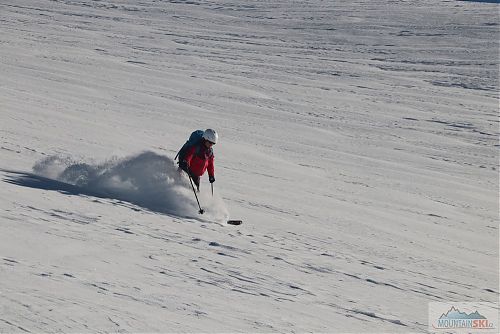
point(358, 144)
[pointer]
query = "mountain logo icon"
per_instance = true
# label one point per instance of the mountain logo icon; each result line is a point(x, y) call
point(455, 313)
point(463, 317)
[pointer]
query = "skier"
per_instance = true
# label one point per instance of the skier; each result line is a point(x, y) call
point(199, 157)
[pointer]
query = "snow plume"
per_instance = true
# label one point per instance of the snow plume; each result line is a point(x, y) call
point(148, 180)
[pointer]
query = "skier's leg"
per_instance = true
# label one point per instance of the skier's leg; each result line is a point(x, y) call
point(196, 180)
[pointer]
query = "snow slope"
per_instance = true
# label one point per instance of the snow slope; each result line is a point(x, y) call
point(359, 144)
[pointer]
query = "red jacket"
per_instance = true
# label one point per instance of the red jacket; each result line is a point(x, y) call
point(199, 159)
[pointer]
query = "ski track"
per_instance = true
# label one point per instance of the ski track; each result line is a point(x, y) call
point(359, 144)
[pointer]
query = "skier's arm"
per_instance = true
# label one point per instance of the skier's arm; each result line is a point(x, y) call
point(189, 156)
point(185, 164)
point(210, 167)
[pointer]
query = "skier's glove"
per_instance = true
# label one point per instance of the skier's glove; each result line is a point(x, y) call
point(211, 179)
point(183, 165)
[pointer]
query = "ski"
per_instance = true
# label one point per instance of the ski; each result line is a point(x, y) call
point(234, 222)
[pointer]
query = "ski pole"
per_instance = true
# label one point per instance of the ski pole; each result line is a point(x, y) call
point(212, 189)
point(192, 186)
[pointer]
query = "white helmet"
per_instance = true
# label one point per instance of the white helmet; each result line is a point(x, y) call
point(211, 135)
